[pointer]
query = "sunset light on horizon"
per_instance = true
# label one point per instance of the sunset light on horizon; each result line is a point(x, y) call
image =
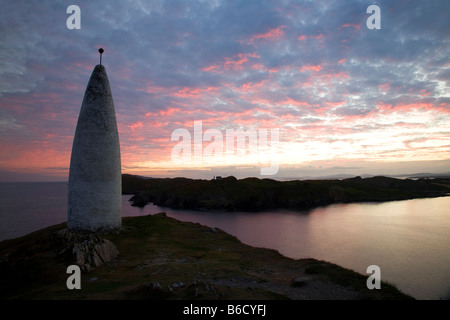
point(307, 81)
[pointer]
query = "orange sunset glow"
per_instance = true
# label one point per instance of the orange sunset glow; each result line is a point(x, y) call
point(345, 99)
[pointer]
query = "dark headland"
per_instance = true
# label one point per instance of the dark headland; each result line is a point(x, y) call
point(253, 194)
point(157, 257)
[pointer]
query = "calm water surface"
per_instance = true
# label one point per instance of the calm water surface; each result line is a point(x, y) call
point(409, 240)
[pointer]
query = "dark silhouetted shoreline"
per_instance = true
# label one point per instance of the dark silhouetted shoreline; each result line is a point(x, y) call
point(253, 194)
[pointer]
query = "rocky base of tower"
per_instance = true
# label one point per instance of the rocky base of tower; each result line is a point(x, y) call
point(86, 250)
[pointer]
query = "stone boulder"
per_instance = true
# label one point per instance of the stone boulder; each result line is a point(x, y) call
point(84, 249)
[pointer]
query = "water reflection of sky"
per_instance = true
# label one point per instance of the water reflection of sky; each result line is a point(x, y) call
point(409, 240)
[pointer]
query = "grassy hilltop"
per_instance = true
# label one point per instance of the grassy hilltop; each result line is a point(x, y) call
point(162, 258)
point(253, 194)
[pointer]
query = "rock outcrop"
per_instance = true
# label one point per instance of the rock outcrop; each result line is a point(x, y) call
point(84, 249)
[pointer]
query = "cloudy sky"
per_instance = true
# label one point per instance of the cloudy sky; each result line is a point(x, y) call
point(343, 98)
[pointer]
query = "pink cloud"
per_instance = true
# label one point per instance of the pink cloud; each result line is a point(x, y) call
point(318, 37)
point(251, 86)
point(384, 87)
point(260, 101)
point(272, 34)
point(231, 63)
point(262, 123)
point(315, 68)
point(424, 93)
point(137, 125)
point(154, 89)
point(81, 65)
point(303, 37)
point(274, 70)
point(350, 25)
point(330, 76)
point(259, 66)
point(416, 106)
point(187, 92)
point(334, 104)
point(289, 101)
point(211, 68)
point(169, 111)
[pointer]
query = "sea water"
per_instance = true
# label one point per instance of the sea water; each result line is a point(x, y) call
point(409, 240)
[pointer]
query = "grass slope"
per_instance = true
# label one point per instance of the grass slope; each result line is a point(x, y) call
point(162, 258)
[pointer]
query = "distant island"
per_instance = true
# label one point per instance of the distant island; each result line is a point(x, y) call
point(254, 194)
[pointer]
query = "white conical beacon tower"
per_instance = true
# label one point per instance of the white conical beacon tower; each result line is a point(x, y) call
point(95, 183)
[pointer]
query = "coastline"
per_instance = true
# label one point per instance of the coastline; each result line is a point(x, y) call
point(163, 258)
point(253, 194)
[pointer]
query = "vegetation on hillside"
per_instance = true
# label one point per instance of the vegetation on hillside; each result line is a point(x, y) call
point(162, 258)
point(253, 194)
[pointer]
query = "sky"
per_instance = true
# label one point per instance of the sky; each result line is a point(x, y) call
point(307, 86)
